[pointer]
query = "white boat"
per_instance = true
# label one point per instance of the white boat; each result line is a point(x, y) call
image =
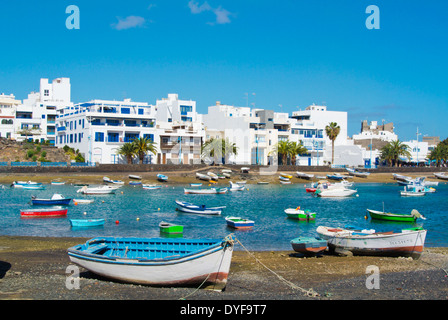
point(335, 192)
point(132, 176)
point(408, 242)
point(285, 182)
point(83, 201)
point(236, 187)
point(245, 170)
point(441, 175)
point(303, 175)
point(33, 187)
point(206, 191)
point(357, 173)
point(151, 187)
point(57, 183)
point(413, 191)
point(241, 182)
point(97, 190)
point(202, 176)
point(20, 184)
point(400, 177)
point(161, 262)
point(107, 180)
point(212, 175)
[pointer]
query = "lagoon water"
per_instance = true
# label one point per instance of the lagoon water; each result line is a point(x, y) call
point(140, 211)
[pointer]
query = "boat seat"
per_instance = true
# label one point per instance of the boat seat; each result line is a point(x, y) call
point(95, 248)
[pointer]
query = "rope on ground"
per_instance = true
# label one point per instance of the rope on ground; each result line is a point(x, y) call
point(310, 292)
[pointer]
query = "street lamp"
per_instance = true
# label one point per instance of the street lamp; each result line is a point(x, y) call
point(417, 145)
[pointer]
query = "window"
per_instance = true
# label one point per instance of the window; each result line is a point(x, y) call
point(185, 109)
point(99, 136)
point(43, 116)
point(46, 93)
point(113, 137)
point(140, 111)
point(125, 110)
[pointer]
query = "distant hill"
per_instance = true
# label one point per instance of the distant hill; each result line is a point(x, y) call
point(11, 150)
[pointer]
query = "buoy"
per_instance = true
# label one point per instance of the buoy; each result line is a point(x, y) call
point(117, 222)
point(138, 219)
point(158, 209)
point(102, 201)
point(75, 203)
point(85, 213)
point(121, 192)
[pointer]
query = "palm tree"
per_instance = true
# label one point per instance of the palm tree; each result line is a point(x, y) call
point(284, 149)
point(128, 150)
point(332, 131)
point(143, 146)
point(394, 150)
point(439, 153)
point(218, 149)
point(296, 148)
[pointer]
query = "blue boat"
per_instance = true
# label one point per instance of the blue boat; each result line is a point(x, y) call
point(162, 177)
point(55, 200)
point(335, 176)
point(135, 183)
point(157, 261)
point(87, 223)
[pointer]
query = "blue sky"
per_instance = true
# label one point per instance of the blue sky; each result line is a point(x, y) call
point(290, 53)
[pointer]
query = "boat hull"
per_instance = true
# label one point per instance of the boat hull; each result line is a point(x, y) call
point(86, 223)
point(49, 202)
point(207, 266)
point(408, 244)
point(169, 228)
point(307, 245)
point(391, 216)
point(239, 223)
point(300, 215)
point(43, 213)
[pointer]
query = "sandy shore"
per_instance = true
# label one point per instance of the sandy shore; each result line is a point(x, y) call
point(189, 177)
point(35, 268)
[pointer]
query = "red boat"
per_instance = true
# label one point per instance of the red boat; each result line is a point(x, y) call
point(43, 213)
point(310, 189)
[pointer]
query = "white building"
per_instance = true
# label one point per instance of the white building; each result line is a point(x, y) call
point(99, 128)
point(36, 117)
point(8, 106)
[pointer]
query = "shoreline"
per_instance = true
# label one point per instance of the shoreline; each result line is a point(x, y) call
point(187, 177)
point(36, 268)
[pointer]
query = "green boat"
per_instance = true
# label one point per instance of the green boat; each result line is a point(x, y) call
point(169, 228)
point(379, 215)
point(302, 215)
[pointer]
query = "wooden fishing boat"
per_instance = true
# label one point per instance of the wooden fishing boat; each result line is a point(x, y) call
point(195, 184)
point(212, 175)
point(285, 182)
point(300, 214)
point(87, 223)
point(202, 176)
point(282, 178)
point(44, 213)
point(107, 180)
point(135, 183)
point(245, 170)
point(83, 201)
point(135, 177)
point(309, 245)
point(57, 199)
point(57, 183)
point(162, 178)
point(381, 215)
point(97, 190)
point(441, 175)
point(335, 176)
point(357, 173)
point(151, 187)
point(236, 187)
point(198, 209)
point(263, 182)
point(239, 223)
point(241, 182)
point(21, 184)
point(170, 228)
point(303, 175)
point(285, 175)
point(408, 242)
point(413, 191)
point(400, 177)
point(334, 192)
point(159, 262)
point(33, 187)
point(206, 191)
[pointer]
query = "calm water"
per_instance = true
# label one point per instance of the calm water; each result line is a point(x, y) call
point(140, 211)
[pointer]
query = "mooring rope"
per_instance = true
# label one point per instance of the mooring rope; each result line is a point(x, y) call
point(310, 292)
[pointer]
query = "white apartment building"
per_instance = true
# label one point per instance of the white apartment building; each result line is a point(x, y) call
point(36, 117)
point(8, 106)
point(99, 128)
